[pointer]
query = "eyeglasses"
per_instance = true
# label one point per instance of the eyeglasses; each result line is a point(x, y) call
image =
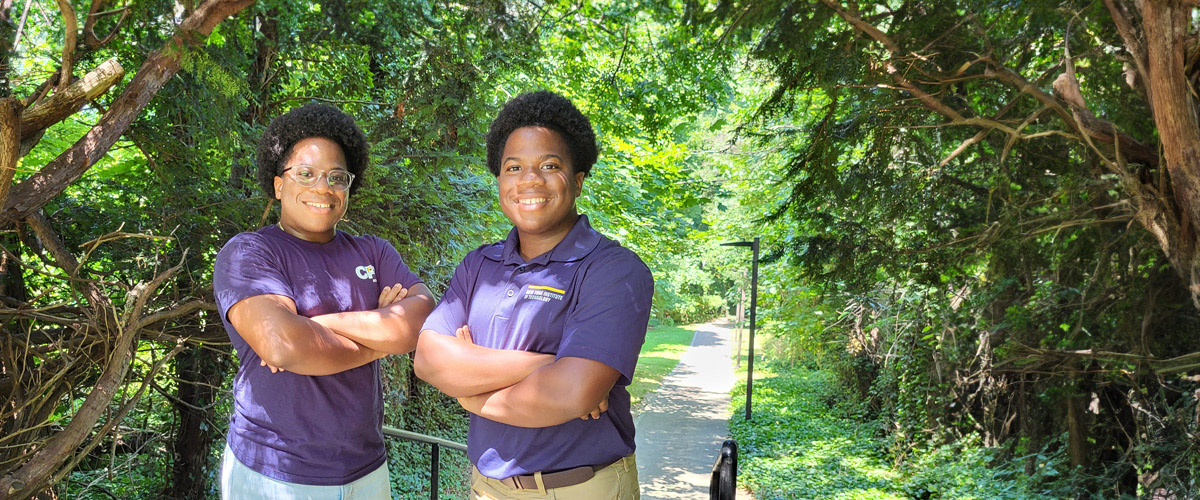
point(308, 175)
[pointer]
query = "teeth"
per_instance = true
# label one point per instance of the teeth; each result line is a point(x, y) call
point(531, 201)
point(318, 205)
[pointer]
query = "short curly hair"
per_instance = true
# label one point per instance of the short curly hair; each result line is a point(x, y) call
point(544, 109)
point(310, 120)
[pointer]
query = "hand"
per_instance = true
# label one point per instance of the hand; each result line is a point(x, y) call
point(600, 408)
point(274, 369)
point(391, 294)
point(464, 333)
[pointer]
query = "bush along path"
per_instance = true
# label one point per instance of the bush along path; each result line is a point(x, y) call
point(801, 445)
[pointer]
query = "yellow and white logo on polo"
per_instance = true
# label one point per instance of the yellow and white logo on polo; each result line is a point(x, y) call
point(543, 293)
point(365, 272)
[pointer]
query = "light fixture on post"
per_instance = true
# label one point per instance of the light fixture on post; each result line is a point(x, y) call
point(753, 309)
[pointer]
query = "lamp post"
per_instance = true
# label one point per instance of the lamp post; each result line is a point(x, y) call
point(753, 308)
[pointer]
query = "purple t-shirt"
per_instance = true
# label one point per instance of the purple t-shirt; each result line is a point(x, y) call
point(303, 429)
point(589, 297)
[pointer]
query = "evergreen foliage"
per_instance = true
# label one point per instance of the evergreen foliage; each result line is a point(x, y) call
point(969, 253)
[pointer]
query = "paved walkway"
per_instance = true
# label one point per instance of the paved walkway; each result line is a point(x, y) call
point(680, 431)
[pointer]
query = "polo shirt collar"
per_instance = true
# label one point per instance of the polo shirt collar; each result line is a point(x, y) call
point(578, 243)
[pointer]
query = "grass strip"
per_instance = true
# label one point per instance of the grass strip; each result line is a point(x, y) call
point(664, 347)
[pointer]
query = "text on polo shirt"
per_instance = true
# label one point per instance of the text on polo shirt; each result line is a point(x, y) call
point(543, 293)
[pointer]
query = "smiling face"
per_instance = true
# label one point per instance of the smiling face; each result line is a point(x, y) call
point(538, 186)
point(311, 213)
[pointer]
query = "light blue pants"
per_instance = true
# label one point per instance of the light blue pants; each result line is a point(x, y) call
point(239, 482)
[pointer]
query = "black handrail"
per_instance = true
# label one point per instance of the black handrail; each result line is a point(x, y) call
point(434, 459)
point(724, 473)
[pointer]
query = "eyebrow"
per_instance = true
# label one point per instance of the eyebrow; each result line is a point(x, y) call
point(339, 167)
point(543, 157)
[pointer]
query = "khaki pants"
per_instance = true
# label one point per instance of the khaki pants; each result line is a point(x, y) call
point(615, 482)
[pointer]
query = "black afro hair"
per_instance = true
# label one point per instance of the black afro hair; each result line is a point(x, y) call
point(309, 120)
point(544, 109)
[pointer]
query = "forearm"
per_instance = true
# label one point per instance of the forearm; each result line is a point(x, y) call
point(462, 369)
point(540, 400)
point(392, 329)
point(306, 347)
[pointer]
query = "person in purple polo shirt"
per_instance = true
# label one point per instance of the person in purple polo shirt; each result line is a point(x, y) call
point(310, 310)
point(538, 335)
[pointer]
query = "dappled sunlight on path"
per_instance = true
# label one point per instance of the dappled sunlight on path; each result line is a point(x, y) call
point(680, 431)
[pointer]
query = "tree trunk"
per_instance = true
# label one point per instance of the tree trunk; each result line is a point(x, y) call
point(10, 142)
point(1165, 25)
point(199, 372)
point(1077, 431)
point(8, 31)
point(264, 75)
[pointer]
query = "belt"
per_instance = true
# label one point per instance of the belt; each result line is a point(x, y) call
point(551, 480)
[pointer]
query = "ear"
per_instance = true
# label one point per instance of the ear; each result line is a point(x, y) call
point(579, 183)
point(278, 187)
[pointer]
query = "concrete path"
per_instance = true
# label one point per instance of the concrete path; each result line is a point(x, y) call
point(680, 431)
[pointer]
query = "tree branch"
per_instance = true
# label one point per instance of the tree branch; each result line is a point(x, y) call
point(94, 14)
point(1067, 87)
point(120, 414)
point(1057, 357)
point(929, 101)
point(53, 243)
point(176, 311)
point(852, 17)
point(963, 147)
point(137, 298)
point(72, 31)
point(66, 102)
point(34, 192)
point(1122, 19)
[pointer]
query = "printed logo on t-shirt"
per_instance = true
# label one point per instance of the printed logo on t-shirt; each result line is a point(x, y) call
point(365, 272)
point(543, 293)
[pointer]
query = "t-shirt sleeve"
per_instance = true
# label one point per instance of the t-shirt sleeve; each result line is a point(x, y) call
point(246, 267)
point(608, 322)
point(392, 268)
point(451, 312)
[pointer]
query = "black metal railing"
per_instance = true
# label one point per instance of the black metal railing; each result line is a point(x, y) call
point(435, 457)
point(724, 473)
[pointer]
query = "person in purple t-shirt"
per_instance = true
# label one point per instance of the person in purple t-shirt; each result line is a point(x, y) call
point(310, 310)
point(538, 335)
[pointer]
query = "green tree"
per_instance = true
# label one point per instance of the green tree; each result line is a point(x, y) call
point(977, 185)
point(70, 333)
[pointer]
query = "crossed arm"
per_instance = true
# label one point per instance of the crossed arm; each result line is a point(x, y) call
point(518, 388)
point(331, 343)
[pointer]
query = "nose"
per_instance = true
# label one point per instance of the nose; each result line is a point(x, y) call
point(322, 184)
point(531, 176)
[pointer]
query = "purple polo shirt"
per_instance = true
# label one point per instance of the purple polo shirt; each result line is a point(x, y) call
point(303, 429)
point(589, 297)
